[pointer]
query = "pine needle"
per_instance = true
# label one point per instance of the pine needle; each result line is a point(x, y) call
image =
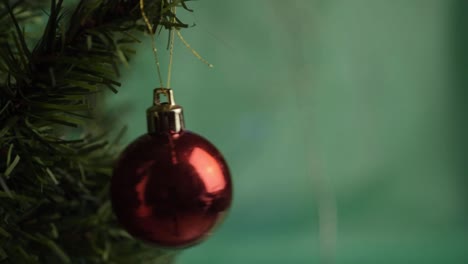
point(11, 167)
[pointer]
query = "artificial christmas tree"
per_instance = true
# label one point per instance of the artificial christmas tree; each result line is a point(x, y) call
point(56, 155)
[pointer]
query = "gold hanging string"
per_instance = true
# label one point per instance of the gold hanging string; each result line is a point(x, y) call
point(171, 49)
point(194, 52)
point(171, 44)
point(153, 41)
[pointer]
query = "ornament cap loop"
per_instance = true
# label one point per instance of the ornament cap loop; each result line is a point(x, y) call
point(164, 91)
point(167, 116)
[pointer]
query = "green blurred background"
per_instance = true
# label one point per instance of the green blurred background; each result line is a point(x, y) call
point(343, 123)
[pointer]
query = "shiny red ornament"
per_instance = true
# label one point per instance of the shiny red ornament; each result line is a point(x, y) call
point(170, 187)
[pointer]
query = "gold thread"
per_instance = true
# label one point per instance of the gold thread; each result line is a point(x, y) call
point(153, 41)
point(171, 50)
point(194, 52)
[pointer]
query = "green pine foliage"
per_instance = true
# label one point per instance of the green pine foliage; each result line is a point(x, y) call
point(55, 158)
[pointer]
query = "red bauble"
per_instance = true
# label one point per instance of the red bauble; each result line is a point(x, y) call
point(171, 189)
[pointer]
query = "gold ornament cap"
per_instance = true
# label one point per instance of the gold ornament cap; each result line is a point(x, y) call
point(165, 117)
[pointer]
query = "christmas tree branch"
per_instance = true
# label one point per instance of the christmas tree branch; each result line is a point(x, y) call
point(53, 182)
